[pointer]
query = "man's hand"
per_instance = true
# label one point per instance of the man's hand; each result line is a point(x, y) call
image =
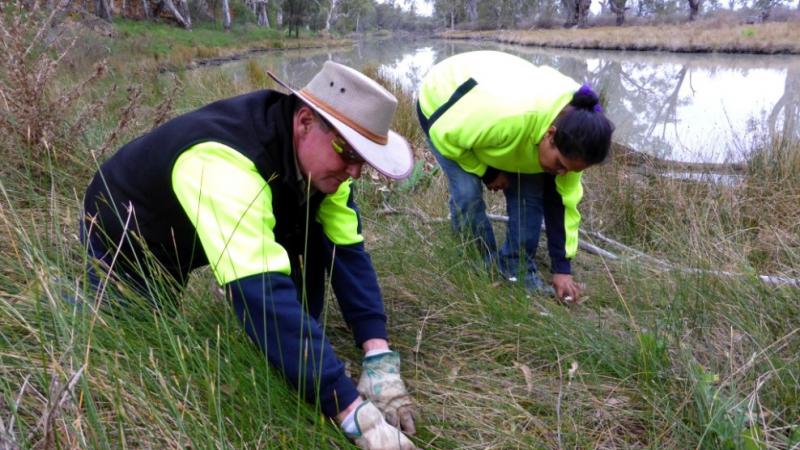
point(375, 434)
point(380, 382)
point(499, 183)
point(567, 289)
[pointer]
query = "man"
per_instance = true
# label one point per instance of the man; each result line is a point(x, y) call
point(259, 187)
point(497, 120)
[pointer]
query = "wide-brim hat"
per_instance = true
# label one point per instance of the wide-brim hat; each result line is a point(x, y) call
point(361, 111)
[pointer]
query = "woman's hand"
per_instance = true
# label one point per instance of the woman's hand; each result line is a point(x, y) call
point(499, 183)
point(567, 289)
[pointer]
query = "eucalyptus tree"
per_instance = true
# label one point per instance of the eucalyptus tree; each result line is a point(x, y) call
point(226, 15)
point(388, 16)
point(180, 11)
point(296, 13)
point(451, 11)
point(471, 10)
point(618, 8)
point(577, 12)
point(329, 16)
point(356, 15)
point(261, 13)
point(694, 8)
point(765, 7)
point(506, 13)
point(102, 8)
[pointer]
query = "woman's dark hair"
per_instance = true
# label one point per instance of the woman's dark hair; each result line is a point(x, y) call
point(583, 132)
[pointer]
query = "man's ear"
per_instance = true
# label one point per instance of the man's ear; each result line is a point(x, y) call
point(304, 119)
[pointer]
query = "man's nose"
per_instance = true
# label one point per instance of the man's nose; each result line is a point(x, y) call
point(354, 170)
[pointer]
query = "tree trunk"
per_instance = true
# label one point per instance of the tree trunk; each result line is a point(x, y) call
point(330, 16)
point(279, 18)
point(183, 5)
point(618, 7)
point(201, 6)
point(102, 9)
point(185, 22)
point(577, 12)
point(261, 13)
point(452, 20)
point(146, 8)
point(226, 15)
point(471, 8)
point(583, 12)
point(694, 8)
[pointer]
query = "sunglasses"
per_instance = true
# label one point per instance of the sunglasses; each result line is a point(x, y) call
point(345, 151)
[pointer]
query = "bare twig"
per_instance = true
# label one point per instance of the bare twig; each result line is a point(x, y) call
point(54, 404)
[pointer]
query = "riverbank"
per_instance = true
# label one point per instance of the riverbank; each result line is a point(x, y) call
point(698, 37)
point(655, 356)
point(161, 46)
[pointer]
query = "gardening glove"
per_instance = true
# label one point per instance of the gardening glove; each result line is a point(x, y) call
point(374, 433)
point(380, 382)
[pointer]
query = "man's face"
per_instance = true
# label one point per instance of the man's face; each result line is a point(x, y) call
point(551, 159)
point(318, 149)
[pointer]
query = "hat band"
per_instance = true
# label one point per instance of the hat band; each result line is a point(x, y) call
point(378, 139)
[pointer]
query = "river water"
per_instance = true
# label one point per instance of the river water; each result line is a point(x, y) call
point(685, 107)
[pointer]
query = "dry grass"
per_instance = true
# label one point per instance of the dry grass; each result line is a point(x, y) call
point(751, 224)
point(51, 109)
point(700, 36)
point(654, 359)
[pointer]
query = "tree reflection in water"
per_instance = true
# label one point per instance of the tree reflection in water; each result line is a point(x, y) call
point(686, 107)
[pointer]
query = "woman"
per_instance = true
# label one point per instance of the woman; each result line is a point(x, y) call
point(497, 120)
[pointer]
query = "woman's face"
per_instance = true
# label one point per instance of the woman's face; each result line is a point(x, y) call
point(551, 159)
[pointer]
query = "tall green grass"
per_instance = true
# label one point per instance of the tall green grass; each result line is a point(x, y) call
point(654, 358)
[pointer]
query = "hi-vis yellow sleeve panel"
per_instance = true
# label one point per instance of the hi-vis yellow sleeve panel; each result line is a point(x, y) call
point(230, 205)
point(340, 221)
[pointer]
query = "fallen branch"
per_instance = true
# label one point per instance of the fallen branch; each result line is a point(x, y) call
point(775, 280)
point(591, 248)
point(599, 236)
point(768, 279)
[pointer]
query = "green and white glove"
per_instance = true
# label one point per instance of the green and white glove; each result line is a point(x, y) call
point(373, 433)
point(380, 382)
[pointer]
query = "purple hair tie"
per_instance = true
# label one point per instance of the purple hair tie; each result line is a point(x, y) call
point(587, 90)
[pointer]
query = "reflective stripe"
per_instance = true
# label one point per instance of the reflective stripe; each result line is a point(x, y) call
point(503, 117)
point(339, 218)
point(230, 205)
point(571, 191)
point(460, 91)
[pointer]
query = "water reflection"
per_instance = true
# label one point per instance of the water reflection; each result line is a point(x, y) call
point(698, 108)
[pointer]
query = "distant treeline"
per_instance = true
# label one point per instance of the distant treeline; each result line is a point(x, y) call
point(528, 14)
point(347, 16)
point(327, 16)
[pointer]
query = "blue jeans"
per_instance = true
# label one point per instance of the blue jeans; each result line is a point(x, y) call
point(524, 208)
